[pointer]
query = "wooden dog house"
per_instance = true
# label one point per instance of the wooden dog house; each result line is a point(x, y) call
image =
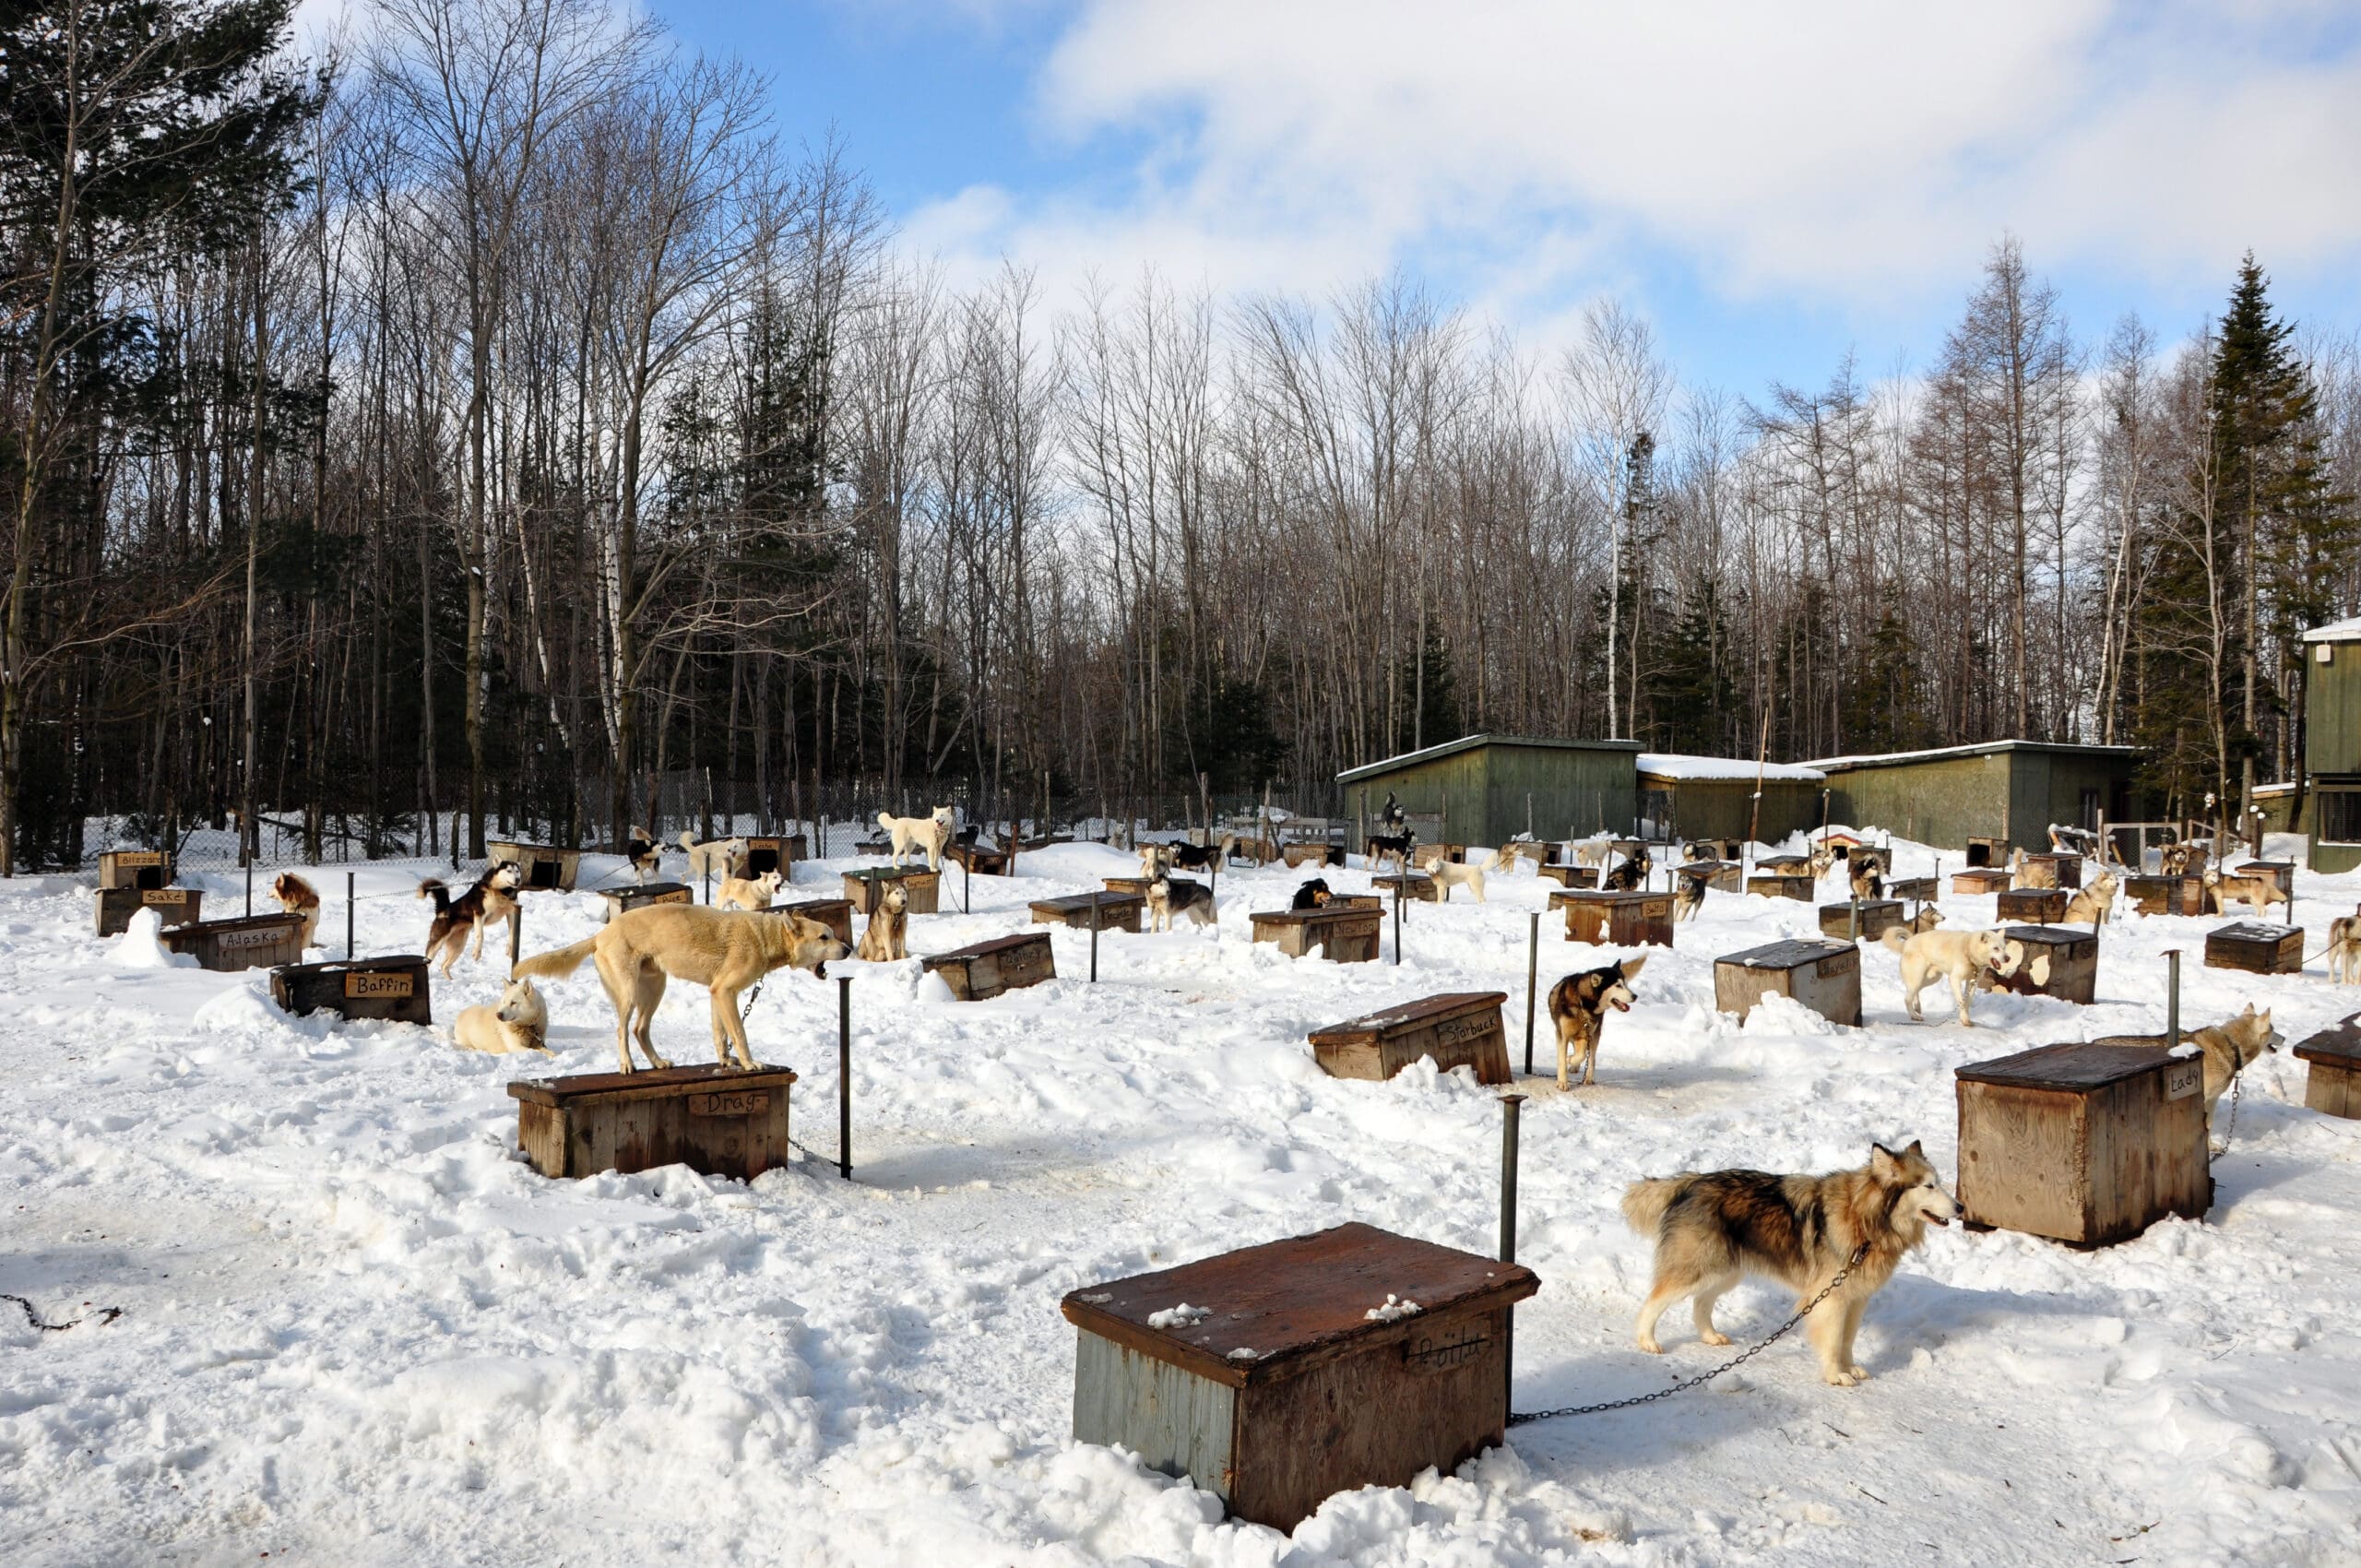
point(134, 868)
point(1111, 911)
point(1567, 875)
point(2332, 1069)
point(864, 888)
point(1299, 1369)
point(541, 868)
point(834, 913)
point(2042, 905)
point(249, 942)
point(1462, 1029)
point(2052, 871)
point(1824, 976)
point(2086, 1142)
point(1980, 881)
point(1798, 886)
point(174, 905)
point(1727, 876)
point(1417, 884)
point(1615, 919)
point(2166, 895)
point(777, 852)
point(618, 899)
point(2060, 961)
point(1340, 934)
point(392, 987)
point(718, 1120)
point(2259, 948)
point(1865, 920)
point(984, 969)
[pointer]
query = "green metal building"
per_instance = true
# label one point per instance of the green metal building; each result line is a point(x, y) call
point(2007, 789)
point(2332, 744)
point(1703, 797)
point(1488, 789)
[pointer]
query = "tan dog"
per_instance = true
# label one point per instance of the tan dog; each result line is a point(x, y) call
point(723, 950)
point(299, 897)
point(1927, 919)
point(2344, 950)
point(1714, 1228)
point(744, 892)
point(715, 857)
point(518, 1021)
point(2231, 1046)
point(2095, 905)
point(2255, 889)
point(1578, 1006)
point(885, 939)
point(1517, 849)
point(927, 833)
point(1960, 957)
point(1449, 874)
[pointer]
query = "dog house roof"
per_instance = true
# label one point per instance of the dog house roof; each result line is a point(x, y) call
point(1677, 767)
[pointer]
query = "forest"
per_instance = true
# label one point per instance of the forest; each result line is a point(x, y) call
point(510, 412)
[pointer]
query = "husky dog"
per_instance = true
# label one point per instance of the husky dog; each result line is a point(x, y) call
point(518, 1021)
point(299, 897)
point(1866, 883)
point(2230, 1045)
point(1313, 895)
point(1631, 876)
point(927, 833)
point(2258, 889)
point(2182, 859)
point(2095, 904)
point(1688, 895)
point(644, 854)
point(750, 893)
point(1395, 847)
point(1960, 957)
point(885, 939)
point(1449, 874)
point(716, 857)
point(1926, 920)
point(1200, 857)
point(491, 901)
point(1712, 1229)
point(2344, 950)
point(1391, 818)
point(723, 950)
point(1592, 852)
point(1516, 850)
point(1167, 898)
point(1578, 1005)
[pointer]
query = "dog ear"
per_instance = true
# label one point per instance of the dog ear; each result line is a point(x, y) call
point(1914, 1149)
point(1884, 1161)
point(1631, 968)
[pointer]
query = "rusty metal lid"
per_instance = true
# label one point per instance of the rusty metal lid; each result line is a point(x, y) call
point(2340, 1042)
point(1282, 1308)
point(1789, 955)
point(1418, 1012)
point(588, 1088)
point(2075, 1065)
point(2254, 931)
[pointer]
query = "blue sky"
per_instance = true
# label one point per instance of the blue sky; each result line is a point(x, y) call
point(1771, 187)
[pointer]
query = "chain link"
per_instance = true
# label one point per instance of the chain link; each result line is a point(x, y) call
point(2238, 1086)
point(1520, 1417)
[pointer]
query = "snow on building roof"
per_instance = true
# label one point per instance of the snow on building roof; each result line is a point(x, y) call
point(2346, 629)
point(1467, 742)
point(1674, 766)
point(1936, 753)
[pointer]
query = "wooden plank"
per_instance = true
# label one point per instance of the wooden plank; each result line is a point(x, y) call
point(1177, 1422)
point(984, 969)
point(174, 905)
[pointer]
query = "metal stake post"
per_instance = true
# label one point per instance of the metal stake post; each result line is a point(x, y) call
point(2172, 998)
point(516, 935)
point(1094, 936)
point(348, 916)
point(1397, 916)
point(843, 1077)
point(1511, 1105)
point(250, 886)
point(1532, 976)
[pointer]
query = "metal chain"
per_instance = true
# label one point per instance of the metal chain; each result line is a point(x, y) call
point(104, 1315)
point(1519, 1417)
point(2238, 1086)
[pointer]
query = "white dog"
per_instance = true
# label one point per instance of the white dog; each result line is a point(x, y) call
point(1449, 874)
point(717, 856)
point(928, 833)
point(744, 893)
point(518, 1021)
point(1962, 956)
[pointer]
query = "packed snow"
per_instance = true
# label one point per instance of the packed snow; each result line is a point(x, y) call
point(1674, 766)
point(357, 1329)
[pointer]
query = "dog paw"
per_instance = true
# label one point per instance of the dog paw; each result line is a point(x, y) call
point(1840, 1379)
point(1651, 1346)
point(663, 1062)
point(1714, 1336)
point(1859, 1374)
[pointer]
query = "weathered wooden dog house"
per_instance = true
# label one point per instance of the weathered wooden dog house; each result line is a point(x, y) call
point(394, 987)
point(984, 969)
point(618, 899)
point(1615, 919)
point(1916, 889)
point(2259, 948)
point(2060, 961)
point(718, 1120)
point(136, 868)
point(2332, 1069)
point(864, 888)
point(1340, 933)
point(1973, 883)
point(248, 942)
point(1566, 876)
point(1798, 886)
point(2166, 895)
point(2042, 905)
point(1115, 911)
point(541, 868)
point(834, 913)
point(1298, 1369)
point(2051, 871)
point(2084, 1143)
point(1825, 976)
point(1727, 876)
point(174, 905)
point(777, 852)
point(1462, 1029)
point(1864, 921)
point(1417, 884)
point(2282, 874)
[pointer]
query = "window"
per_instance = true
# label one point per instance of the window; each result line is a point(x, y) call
point(2089, 810)
point(2338, 816)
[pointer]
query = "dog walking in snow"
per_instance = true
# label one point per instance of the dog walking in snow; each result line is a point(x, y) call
point(1579, 1006)
point(749, 893)
point(723, 950)
point(715, 857)
point(489, 903)
point(1712, 1229)
point(1449, 874)
point(1960, 957)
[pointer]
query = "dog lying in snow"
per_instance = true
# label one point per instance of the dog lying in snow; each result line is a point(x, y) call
point(518, 1021)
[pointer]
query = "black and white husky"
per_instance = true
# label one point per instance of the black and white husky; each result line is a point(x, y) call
point(1167, 898)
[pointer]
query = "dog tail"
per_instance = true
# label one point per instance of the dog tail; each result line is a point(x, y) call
point(1894, 936)
point(686, 840)
point(1646, 1201)
point(560, 962)
point(885, 820)
point(432, 887)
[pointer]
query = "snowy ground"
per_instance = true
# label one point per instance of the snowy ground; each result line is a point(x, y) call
point(357, 1330)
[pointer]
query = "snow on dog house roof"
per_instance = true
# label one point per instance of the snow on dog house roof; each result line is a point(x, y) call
point(1676, 767)
point(1983, 748)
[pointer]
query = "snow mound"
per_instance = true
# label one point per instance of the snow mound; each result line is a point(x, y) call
point(142, 946)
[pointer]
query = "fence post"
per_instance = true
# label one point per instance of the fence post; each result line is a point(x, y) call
point(250, 880)
point(516, 935)
point(1532, 978)
point(348, 916)
point(1094, 936)
point(1400, 884)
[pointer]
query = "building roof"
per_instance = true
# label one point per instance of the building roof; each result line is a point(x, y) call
point(1470, 742)
point(1986, 748)
point(1677, 767)
point(2346, 629)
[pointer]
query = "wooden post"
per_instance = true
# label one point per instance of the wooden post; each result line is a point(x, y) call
point(843, 1077)
point(348, 916)
point(1532, 977)
point(1762, 762)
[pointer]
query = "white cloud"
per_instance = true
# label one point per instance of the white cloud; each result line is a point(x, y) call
point(1849, 151)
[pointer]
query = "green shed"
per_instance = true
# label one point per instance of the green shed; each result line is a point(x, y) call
point(2007, 789)
point(2332, 744)
point(1487, 789)
point(1710, 797)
